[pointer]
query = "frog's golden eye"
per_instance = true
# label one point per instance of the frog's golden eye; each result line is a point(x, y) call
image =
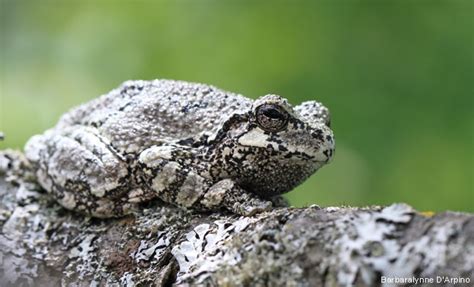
point(271, 117)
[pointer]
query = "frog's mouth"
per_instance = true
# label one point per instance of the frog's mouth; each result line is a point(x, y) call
point(315, 144)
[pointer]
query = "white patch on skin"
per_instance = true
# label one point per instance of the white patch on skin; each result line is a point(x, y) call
point(227, 151)
point(296, 142)
point(293, 142)
point(254, 138)
point(154, 155)
point(166, 176)
point(132, 148)
point(68, 201)
point(100, 185)
point(191, 190)
point(99, 188)
point(135, 195)
point(216, 193)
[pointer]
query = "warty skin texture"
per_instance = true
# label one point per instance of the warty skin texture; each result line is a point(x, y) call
point(189, 144)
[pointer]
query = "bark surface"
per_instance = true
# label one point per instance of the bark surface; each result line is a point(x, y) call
point(42, 244)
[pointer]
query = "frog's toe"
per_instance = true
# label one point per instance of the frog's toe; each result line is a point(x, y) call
point(249, 209)
point(280, 201)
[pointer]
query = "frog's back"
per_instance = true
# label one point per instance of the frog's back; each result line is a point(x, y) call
point(140, 114)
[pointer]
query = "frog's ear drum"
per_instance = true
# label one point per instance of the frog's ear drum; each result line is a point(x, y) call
point(271, 117)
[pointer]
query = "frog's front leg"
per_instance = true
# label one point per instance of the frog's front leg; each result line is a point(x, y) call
point(82, 171)
point(170, 173)
point(229, 195)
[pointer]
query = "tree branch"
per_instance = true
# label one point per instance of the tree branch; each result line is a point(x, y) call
point(44, 244)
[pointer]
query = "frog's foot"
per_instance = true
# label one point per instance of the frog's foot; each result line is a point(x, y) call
point(279, 201)
point(248, 204)
point(168, 179)
point(80, 169)
point(229, 195)
point(105, 208)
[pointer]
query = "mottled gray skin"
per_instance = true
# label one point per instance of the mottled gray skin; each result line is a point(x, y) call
point(189, 144)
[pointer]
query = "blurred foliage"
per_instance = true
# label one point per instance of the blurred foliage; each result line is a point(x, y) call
point(397, 76)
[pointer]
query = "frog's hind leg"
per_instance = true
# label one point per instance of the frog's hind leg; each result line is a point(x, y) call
point(82, 171)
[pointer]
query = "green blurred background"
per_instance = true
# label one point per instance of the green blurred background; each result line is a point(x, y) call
point(396, 75)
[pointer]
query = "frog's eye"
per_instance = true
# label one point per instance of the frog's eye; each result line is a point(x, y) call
point(271, 117)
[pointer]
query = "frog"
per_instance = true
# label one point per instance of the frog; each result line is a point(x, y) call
point(186, 144)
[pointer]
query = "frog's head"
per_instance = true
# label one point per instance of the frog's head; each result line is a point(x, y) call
point(274, 147)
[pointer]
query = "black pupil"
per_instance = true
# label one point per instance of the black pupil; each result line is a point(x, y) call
point(273, 113)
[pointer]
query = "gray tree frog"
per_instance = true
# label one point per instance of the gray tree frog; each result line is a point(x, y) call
point(188, 144)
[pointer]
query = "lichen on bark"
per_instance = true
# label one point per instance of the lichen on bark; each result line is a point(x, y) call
point(42, 244)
